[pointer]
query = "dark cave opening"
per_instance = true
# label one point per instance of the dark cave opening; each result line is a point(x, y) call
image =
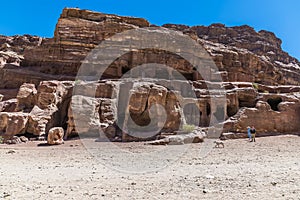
point(208, 110)
point(232, 110)
point(274, 102)
point(192, 114)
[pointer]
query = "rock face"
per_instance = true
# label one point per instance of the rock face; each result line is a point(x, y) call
point(39, 91)
point(71, 42)
point(41, 109)
point(246, 55)
point(143, 111)
point(8, 105)
point(273, 114)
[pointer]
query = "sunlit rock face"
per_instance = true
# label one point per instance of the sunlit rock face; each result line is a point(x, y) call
point(37, 79)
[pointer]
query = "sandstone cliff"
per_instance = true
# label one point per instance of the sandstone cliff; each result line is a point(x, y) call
point(260, 79)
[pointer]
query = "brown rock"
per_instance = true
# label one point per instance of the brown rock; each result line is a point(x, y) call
point(38, 120)
point(26, 97)
point(278, 114)
point(8, 105)
point(55, 136)
point(83, 116)
point(262, 81)
point(12, 124)
point(179, 139)
point(24, 139)
point(50, 110)
point(144, 110)
point(14, 140)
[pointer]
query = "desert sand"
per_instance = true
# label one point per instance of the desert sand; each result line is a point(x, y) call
point(267, 169)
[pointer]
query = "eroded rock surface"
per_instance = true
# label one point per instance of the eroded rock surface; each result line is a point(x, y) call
point(55, 136)
point(38, 91)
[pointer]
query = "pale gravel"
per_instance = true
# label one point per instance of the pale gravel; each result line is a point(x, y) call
point(267, 169)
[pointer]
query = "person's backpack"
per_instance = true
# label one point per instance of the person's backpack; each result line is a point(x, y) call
point(252, 130)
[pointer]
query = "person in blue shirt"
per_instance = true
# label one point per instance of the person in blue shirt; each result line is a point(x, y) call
point(249, 133)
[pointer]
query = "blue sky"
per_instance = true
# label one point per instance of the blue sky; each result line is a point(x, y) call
point(281, 17)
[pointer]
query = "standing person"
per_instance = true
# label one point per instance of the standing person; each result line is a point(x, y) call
point(249, 133)
point(253, 133)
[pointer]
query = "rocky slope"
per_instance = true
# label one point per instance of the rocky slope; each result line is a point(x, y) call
point(37, 76)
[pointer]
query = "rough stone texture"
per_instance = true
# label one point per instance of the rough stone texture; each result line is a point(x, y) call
point(261, 81)
point(26, 97)
point(24, 139)
point(8, 105)
point(12, 124)
point(10, 57)
point(143, 110)
point(76, 33)
point(107, 114)
point(52, 101)
point(95, 109)
point(19, 43)
point(83, 115)
point(250, 56)
point(38, 120)
point(12, 75)
point(55, 136)
point(12, 48)
point(273, 114)
point(45, 108)
point(179, 139)
point(246, 55)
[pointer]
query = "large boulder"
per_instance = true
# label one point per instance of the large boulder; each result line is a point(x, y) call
point(12, 124)
point(55, 136)
point(93, 109)
point(26, 97)
point(83, 115)
point(38, 120)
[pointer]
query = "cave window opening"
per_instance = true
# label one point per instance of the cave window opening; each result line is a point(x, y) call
point(274, 103)
point(231, 110)
point(192, 114)
point(125, 70)
point(188, 76)
point(208, 110)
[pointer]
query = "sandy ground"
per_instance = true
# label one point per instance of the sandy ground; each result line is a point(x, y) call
point(267, 169)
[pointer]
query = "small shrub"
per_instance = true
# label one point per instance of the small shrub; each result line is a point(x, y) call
point(188, 127)
point(255, 86)
point(77, 82)
point(1, 140)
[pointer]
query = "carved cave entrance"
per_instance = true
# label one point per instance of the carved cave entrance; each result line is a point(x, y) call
point(192, 114)
point(274, 102)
